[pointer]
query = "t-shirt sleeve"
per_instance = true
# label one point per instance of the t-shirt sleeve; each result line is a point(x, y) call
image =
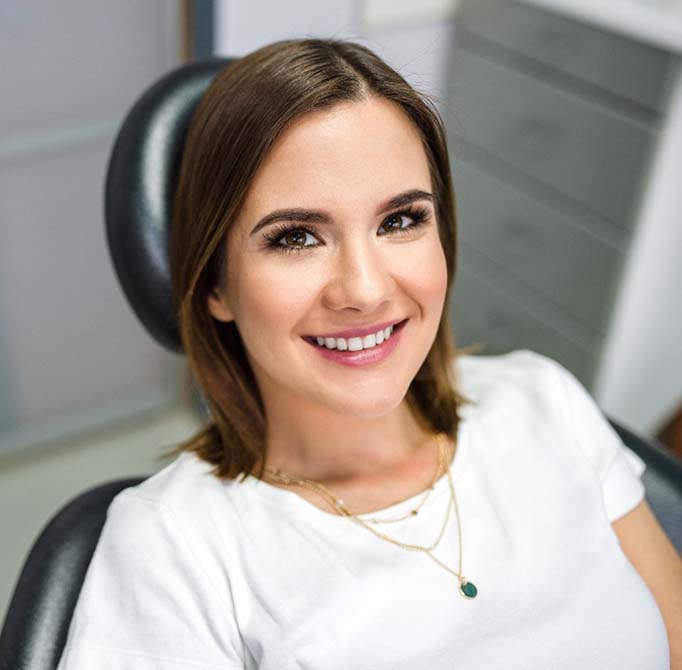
point(147, 602)
point(618, 467)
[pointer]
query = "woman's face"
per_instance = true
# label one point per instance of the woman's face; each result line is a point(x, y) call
point(338, 232)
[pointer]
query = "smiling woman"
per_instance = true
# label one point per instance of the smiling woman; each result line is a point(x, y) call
point(330, 185)
point(352, 169)
point(314, 521)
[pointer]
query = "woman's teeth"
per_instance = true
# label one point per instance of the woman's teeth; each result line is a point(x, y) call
point(355, 343)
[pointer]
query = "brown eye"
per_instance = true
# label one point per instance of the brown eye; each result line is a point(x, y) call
point(393, 224)
point(294, 238)
point(288, 238)
point(395, 219)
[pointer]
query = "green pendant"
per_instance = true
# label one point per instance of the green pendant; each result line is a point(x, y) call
point(467, 589)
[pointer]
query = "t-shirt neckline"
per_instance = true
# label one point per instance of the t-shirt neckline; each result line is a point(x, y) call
point(284, 499)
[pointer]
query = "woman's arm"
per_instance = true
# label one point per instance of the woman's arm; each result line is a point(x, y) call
point(653, 555)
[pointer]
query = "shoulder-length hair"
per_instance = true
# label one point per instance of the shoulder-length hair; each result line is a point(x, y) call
point(244, 111)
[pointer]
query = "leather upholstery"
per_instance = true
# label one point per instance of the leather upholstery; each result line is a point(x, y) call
point(39, 614)
point(141, 180)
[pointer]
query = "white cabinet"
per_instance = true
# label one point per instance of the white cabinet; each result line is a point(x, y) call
point(555, 124)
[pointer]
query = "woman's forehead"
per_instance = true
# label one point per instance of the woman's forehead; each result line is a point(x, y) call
point(364, 150)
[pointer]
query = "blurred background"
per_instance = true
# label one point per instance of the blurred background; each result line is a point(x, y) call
point(565, 128)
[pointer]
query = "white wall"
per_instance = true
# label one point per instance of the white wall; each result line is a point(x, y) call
point(640, 380)
point(413, 36)
point(72, 354)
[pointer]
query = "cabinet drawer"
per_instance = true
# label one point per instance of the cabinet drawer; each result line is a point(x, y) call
point(583, 151)
point(634, 71)
point(537, 244)
point(482, 312)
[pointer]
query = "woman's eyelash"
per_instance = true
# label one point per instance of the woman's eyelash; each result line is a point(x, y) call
point(419, 216)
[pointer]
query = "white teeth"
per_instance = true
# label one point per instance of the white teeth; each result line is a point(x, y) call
point(369, 341)
point(355, 343)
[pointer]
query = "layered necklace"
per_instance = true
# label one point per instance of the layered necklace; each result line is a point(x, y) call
point(466, 588)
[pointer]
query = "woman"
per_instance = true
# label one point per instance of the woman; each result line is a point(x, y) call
point(365, 496)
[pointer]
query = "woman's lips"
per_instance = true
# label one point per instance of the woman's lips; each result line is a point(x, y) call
point(362, 357)
point(360, 332)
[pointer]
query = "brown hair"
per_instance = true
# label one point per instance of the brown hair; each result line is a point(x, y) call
point(245, 110)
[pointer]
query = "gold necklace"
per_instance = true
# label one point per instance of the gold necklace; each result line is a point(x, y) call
point(440, 458)
point(466, 588)
point(340, 505)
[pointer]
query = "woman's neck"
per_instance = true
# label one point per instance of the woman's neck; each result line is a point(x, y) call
point(368, 477)
point(326, 447)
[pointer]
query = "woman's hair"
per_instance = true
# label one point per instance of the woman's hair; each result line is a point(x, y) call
point(244, 111)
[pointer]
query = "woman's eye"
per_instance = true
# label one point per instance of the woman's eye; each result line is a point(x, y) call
point(301, 238)
point(296, 238)
point(396, 221)
point(405, 221)
point(290, 239)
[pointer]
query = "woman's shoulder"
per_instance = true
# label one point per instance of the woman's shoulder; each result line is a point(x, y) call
point(521, 373)
point(517, 360)
point(179, 489)
point(534, 393)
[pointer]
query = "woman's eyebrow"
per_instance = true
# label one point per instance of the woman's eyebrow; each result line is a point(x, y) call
point(320, 216)
point(403, 199)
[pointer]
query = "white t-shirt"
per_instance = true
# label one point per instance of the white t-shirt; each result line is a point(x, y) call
point(191, 572)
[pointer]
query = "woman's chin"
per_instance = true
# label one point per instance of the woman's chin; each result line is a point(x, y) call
point(352, 406)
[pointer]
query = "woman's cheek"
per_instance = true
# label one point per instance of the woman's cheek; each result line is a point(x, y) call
point(280, 295)
point(425, 270)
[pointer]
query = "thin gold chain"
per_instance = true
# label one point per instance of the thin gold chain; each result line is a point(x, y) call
point(453, 500)
point(339, 505)
point(404, 545)
point(440, 459)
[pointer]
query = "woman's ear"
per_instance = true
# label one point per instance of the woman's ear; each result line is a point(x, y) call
point(218, 306)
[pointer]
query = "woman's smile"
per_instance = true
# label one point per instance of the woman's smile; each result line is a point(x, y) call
point(359, 351)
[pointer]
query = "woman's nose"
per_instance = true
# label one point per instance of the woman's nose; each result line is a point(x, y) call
point(359, 279)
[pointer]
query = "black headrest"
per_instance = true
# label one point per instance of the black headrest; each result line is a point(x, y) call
point(45, 595)
point(141, 180)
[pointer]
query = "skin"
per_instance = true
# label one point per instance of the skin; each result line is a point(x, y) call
point(349, 428)
point(653, 555)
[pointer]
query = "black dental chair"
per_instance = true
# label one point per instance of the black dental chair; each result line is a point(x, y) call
point(140, 182)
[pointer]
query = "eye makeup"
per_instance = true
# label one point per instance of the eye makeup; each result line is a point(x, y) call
point(274, 238)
